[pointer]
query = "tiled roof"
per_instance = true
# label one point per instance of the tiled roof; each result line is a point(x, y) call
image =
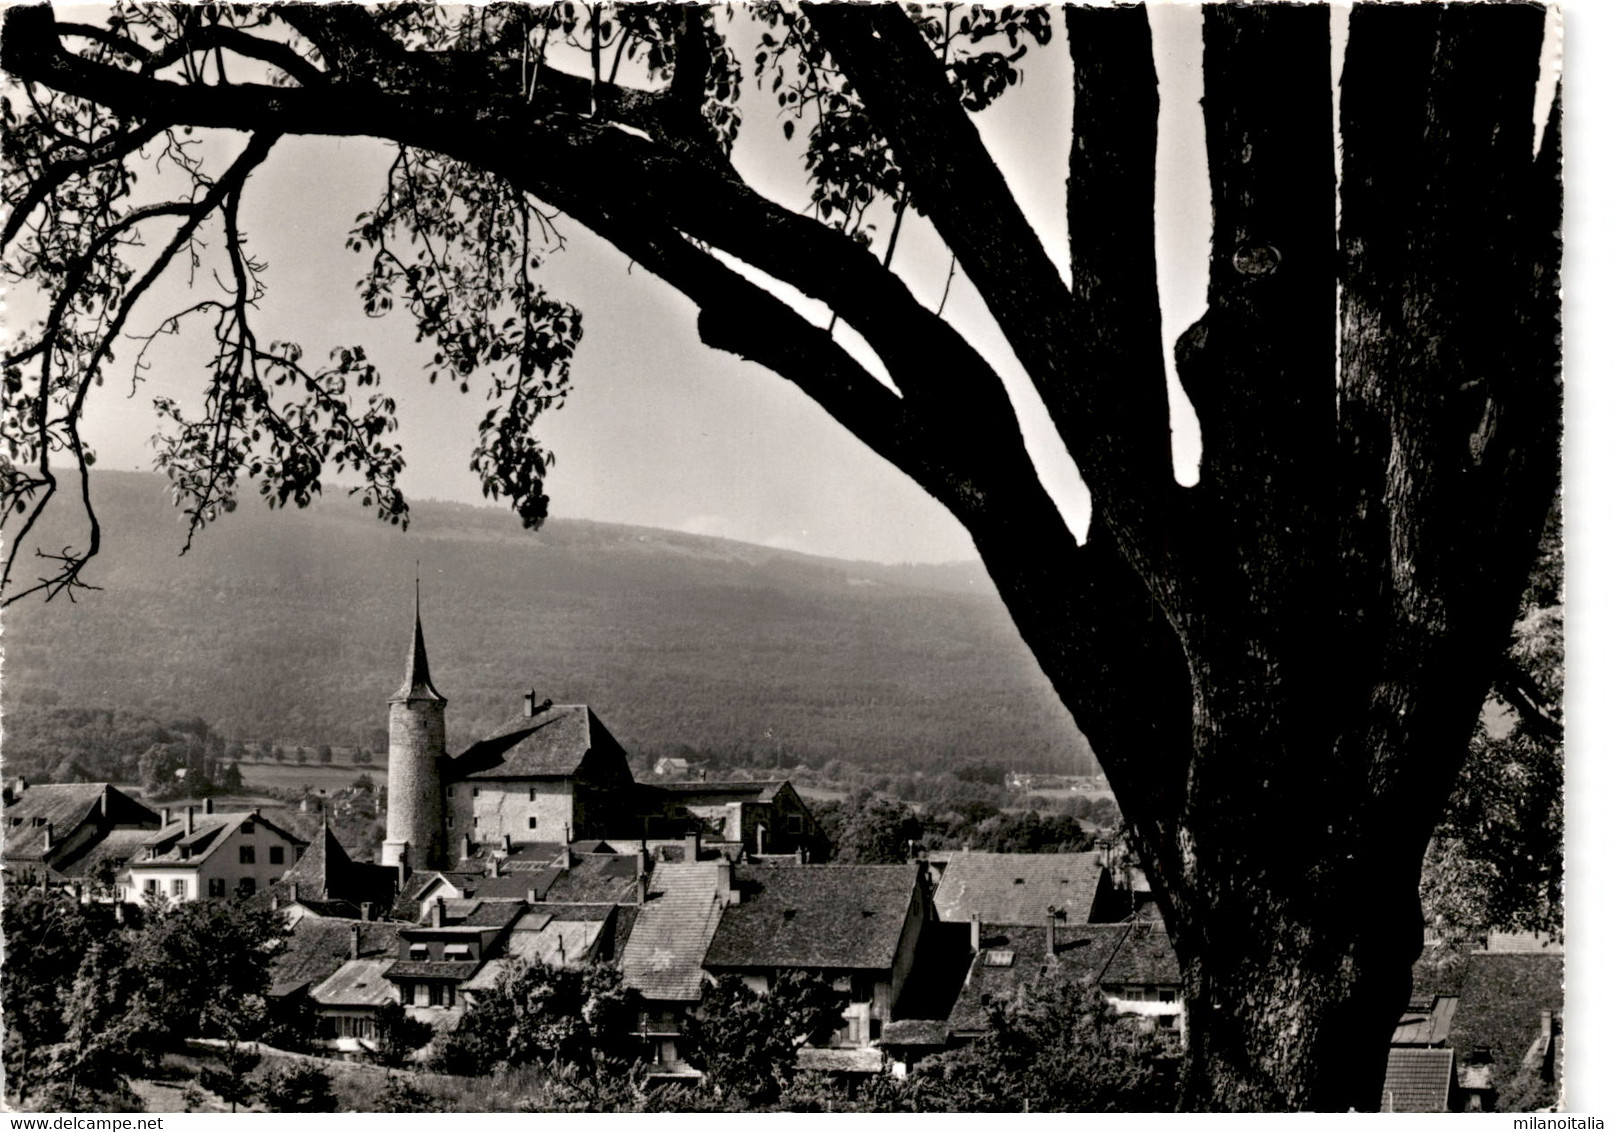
point(583, 913)
point(509, 886)
point(1526, 943)
point(175, 846)
point(119, 847)
point(1417, 1080)
point(853, 1060)
point(557, 943)
point(1014, 955)
point(494, 914)
point(1019, 888)
point(662, 958)
point(358, 982)
point(597, 880)
point(721, 793)
point(1143, 956)
point(915, 1032)
point(1501, 1003)
point(429, 969)
point(316, 948)
point(549, 744)
point(814, 916)
point(62, 806)
point(1426, 1022)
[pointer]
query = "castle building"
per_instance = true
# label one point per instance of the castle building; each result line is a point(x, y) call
point(552, 775)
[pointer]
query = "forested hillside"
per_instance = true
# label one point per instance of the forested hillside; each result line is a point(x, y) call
point(291, 628)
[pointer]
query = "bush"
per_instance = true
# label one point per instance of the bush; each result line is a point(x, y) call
point(297, 1088)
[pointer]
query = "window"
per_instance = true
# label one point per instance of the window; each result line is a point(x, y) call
point(475, 822)
point(451, 821)
point(532, 823)
point(176, 888)
point(793, 823)
point(247, 886)
point(277, 854)
point(862, 990)
point(457, 951)
point(448, 994)
point(434, 994)
point(532, 793)
point(999, 957)
point(249, 855)
point(1169, 996)
point(476, 791)
point(246, 828)
point(151, 888)
point(216, 887)
point(419, 951)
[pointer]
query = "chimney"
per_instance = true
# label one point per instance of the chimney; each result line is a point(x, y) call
point(291, 892)
point(762, 838)
point(726, 881)
point(353, 941)
point(692, 846)
point(641, 888)
point(975, 932)
point(533, 896)
point(439, 909)
point(530, 697)
point(465, 846)
point(507, 843)
point(207, 805)
point(403, 871)
point(274, 904)
point(801, 855)
point(1049, 933)
point(1547, 1031)
point(493, 865)
point(50, 836)
point(190, 820)
point(367, 910)
point(168, 816)
point(302, 807)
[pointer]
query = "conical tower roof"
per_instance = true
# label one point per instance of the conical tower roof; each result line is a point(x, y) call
point(417, 683)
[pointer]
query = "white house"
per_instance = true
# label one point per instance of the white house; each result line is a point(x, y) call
point(208, 855)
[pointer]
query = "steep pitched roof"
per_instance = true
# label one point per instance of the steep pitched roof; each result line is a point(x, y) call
point(662, 958)
point(1500, 1006)
point(1019, 888)
point(417, 683)
point(596, 879)
point(323, 869)
point(1417, 1080)
point(1014, 955)
point(814, 916)
point(316, 948)
point(1144, 956)
point(59, 807)
point(549, 744)
point(118, 847)
point(174, 846)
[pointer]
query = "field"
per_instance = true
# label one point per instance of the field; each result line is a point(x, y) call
point(290, 776)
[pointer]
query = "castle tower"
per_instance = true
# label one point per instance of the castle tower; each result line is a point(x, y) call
point(415, 833)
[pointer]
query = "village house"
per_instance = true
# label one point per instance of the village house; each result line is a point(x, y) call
point(662, 959)
point(1020, 888)
point(436, 958)
point(209, 855)
point(763, 818)
point(856, 926)
point(80, 834)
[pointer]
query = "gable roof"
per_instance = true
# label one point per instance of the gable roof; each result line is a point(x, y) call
point(1019, 888)
point(596, 879)
point(722, 793)
point(1500, 1006)
point(814, 916)
point(358, 982)
point(1144, 956)
point(1417, 1080)
point(316, 948)
point(60, 807)
point(549, 744)
point(675, 926)
point(1014, 955)
point(174, 846)
point(118, 847)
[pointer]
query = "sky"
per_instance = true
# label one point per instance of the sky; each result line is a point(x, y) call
point(659, 430)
